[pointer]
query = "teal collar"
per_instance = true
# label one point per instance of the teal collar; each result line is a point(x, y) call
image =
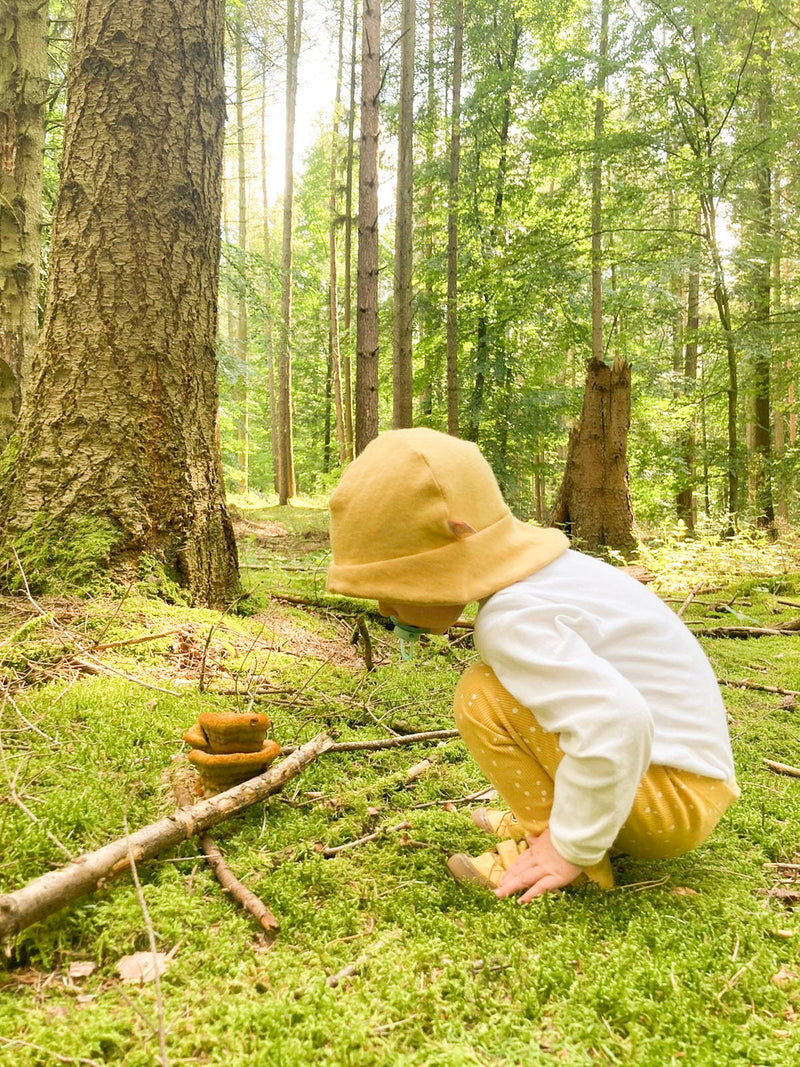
point(408, 636)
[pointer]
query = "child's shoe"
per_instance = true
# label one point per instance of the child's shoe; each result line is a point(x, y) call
point(487, 869)
point(499, 823)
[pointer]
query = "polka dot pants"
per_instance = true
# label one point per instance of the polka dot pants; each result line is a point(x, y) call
point(674, 811)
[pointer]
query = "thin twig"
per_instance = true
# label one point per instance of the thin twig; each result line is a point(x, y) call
point(361, 626)
point(697, 589)
point(487, 793)
point(17, 799)
point(49, 1052)
point(151, 937)
point(782, 768)
point(133, 640)
point(335, 849)
point(118, 609)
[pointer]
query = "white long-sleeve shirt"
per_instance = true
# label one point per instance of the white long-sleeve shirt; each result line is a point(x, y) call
point(602, 662)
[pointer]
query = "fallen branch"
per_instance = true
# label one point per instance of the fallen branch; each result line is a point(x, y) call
point(789, 629)
point(53, 891)
point(782, 768)
point(222, 872)
point(759, 687)
point(697, 589)
point(393, 742)
point(238, 890)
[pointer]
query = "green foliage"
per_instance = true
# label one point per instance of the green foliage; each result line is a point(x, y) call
point(60, 555)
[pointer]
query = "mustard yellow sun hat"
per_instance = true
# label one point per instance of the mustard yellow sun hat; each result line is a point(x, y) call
point(419, 518)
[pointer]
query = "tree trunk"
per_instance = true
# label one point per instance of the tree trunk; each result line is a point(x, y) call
point(402, 365)
point(23, 92)
point(347, 375)
point(270, 350)
point(593, 503)
point(335, 353)
point(367, 314)
point(685, 502)
point(120, 418)
point(286, 481)
point(452, 226)
point(761, 289)
point(242, 415)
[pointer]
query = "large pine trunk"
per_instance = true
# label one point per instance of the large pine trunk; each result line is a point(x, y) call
point(23, 90)
point(120, 418)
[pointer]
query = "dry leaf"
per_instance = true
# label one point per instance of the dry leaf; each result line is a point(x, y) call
point(140, 967)
point(784, 976)
point(81, 969)
point(449, 806)
point(683, 891)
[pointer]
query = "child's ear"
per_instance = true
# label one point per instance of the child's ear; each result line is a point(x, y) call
point(461, 530)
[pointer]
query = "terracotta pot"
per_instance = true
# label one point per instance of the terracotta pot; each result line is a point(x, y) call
point(230, 731)
point(220, 771)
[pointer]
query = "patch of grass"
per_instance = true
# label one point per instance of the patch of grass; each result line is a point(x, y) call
point(689, 961)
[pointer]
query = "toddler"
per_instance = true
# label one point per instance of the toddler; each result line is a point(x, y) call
point(593, 711)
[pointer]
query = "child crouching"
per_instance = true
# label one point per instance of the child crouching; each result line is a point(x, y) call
point(593, 711)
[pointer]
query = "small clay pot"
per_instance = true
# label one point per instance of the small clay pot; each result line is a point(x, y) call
point(222, 770)
point(195, 738)
point(230, 731)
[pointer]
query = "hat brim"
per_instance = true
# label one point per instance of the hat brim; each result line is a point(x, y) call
point(465, 570)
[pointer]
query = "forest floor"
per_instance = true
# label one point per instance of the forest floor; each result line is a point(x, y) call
point(380, 959)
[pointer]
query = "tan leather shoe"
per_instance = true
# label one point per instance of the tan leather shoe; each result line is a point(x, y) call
point(499, 823)
point(487, 869)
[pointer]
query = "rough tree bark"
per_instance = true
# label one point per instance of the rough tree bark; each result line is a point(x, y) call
point(23, 90)
point(120, 417)
point(402, 365)
point(594, 503)
point(366, 427)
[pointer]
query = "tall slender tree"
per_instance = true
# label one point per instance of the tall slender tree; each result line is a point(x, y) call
point(23, 91)
point(286, 478)
point(593, 502)
point(366, 423)
point(402, 367)
point(333, 286)
point(242, 390)
point(118, 426)
point(452, 224)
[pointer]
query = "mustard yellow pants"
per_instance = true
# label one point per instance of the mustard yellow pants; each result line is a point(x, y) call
point(674, 810)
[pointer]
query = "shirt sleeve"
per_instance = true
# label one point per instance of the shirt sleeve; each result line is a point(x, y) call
point(604, 725)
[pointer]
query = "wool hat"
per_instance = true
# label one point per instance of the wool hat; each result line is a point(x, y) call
point(418, 518)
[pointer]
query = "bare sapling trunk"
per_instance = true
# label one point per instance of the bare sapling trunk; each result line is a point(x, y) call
point(685, 502)
point(267, 290)
point(452, 226)
point(366, 427)
point(286, 479)
point(242, 415)
point(336, 359)
point(402, 356)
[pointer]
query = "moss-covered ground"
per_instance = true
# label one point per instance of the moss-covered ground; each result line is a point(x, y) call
point(693, 961)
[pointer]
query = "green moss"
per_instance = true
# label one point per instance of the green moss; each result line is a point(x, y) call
point(59, 555)
point(155, 581)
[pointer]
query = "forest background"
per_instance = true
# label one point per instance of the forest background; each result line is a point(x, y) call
point(553, 184)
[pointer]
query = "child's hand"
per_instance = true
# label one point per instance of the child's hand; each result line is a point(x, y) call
point(538, 869)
